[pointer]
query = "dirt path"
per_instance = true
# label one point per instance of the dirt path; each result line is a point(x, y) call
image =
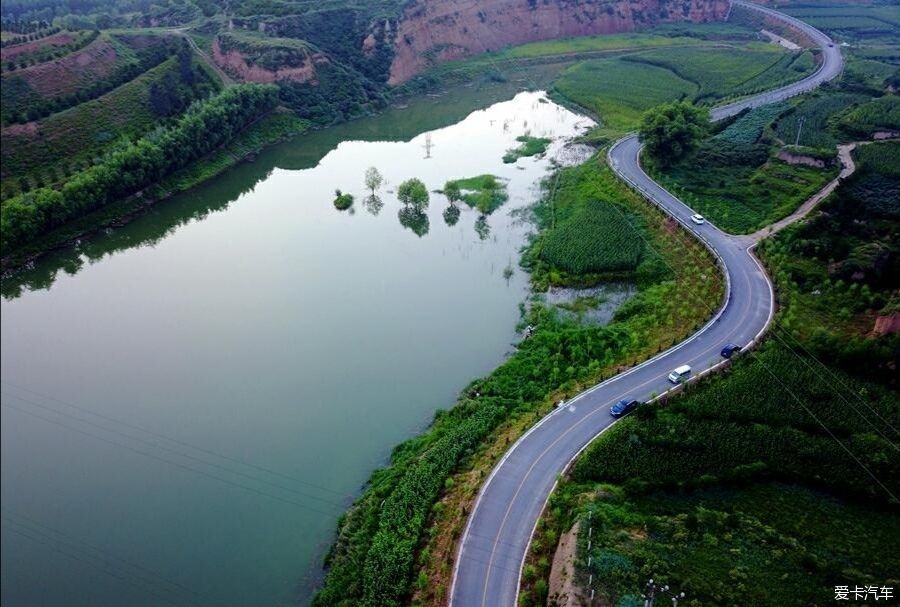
point(563, 590)
point(182, 31)
point(847, 169)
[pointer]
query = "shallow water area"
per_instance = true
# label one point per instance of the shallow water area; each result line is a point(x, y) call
point(190, 401)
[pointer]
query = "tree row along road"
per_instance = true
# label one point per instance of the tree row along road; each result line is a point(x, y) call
point(498, 532)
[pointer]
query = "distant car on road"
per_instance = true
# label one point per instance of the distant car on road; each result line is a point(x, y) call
point(680, 374)
point(698, 219)
point(730, 350)
point(623, 407)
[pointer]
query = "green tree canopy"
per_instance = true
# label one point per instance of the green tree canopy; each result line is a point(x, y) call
point(671, 130)
point(374, 179)
point(413, 192)
point(452, 192)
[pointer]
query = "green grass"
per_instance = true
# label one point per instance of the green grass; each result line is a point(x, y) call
point(589, 44)
point(619, 92)
point(742, 199)
point(530, 146)
point(484, 192)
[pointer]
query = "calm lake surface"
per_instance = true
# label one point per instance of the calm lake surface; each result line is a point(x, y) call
point(191, 401)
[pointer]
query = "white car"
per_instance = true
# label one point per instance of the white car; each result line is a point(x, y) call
point(698, 219)
point(680, 374)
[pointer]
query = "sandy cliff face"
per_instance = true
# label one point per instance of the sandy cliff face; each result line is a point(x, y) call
point(234, 62)
point(442, 30)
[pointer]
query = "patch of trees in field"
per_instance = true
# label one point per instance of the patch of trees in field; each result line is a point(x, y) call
point(206, 126)
point(29, 32)
point(167, 98)
point(48, 53)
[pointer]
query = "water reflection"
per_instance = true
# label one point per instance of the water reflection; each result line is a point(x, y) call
point(373, 204)
point(451, 215)
point(412, 218)
point(482, 228)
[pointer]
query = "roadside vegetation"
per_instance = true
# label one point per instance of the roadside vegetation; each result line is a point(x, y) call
point(734, 177)
point(782, 463)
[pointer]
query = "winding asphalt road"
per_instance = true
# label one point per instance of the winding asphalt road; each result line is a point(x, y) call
point(493, 546)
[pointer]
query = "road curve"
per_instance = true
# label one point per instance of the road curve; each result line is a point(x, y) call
point(495, 541)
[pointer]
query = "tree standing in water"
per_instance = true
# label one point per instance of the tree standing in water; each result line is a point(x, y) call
point(374, 179)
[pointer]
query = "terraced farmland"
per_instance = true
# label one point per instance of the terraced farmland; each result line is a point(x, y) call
point(43, 152)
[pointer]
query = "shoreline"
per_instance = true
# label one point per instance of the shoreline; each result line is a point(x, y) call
point(124, 211)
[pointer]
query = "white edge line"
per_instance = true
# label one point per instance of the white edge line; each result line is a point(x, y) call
point(753, 342)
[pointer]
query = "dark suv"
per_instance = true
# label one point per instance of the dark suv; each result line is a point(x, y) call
point(622, 407)
point(730, 350)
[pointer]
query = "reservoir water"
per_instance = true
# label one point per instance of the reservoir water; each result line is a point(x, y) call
point(190, 401)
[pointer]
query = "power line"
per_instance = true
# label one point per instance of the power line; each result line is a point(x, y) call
point(178, 453)
point(174, 441)
point(170, 462)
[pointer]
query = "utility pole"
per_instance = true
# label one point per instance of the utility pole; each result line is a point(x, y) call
point(653, 589)
point(799, 128)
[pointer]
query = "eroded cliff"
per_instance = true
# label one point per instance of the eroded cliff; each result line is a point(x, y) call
point(434, 31)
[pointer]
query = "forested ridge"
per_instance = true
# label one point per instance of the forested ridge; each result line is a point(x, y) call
point(205, 126)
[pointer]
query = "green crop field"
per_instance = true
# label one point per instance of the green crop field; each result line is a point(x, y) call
point(814, 113)
point(731, 71)
point(620, 91)
point(876, 115)
point(747, 129)
point(573, 246)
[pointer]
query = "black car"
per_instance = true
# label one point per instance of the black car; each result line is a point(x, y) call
point(622, 407)
point(730, 350)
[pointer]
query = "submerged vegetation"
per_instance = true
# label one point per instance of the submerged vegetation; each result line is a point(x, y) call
point(484, 192)
point(530, 146)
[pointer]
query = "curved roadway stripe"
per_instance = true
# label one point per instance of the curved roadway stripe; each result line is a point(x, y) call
point(510, 502)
